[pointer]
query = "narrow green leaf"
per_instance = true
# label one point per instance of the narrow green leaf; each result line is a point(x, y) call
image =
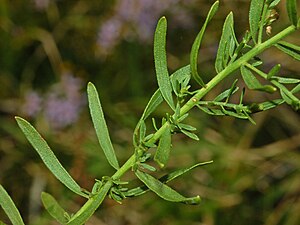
point(155, 100)
point(48, 157)
point(163, 150)
point(296, 89)
point(290, 99)
point(253, 83)
point(267, 105)
point(291, 6)
point(286, 80)
point(223, 49)
point(190, 135)
point(225, 94)
point(256, 8)
point(53, 208)
point(290, 49)
point(153, 103)
point(274, 3)
point(100, 126)
point(165, 179)
point(163, 190)
point(142, 130)
point(274, 71)
point(1, 223)
point(214, 112)
point(197, 43)
point(9, 207)
point(160, 61)
point(179, 76)
point(186, 127)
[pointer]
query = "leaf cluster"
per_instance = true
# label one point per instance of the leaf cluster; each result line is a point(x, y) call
point(174, 89)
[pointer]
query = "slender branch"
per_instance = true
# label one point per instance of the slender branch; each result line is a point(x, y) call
point(210, 85)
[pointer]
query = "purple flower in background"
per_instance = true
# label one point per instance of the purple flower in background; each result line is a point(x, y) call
point(61, 105)
point(137, 19)
point(32, 104)
point(109, 34)
point(64, 104)
point(41, 5)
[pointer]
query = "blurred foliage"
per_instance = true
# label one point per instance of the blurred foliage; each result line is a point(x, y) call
point(255, 175)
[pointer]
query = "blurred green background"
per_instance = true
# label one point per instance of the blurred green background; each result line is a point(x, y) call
point(50, 49)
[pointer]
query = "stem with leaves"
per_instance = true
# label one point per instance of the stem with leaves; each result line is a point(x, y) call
point(231, 56)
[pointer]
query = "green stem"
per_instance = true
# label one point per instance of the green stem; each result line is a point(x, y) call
point(92, 204)
point(210, 85)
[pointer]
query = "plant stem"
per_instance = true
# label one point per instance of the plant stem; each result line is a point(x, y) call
point(210, 85)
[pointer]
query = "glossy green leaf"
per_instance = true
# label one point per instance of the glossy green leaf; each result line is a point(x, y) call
point(291, 6)
point(89, 208)
point(253, 83)
point(223, 49)
point(9, 207)
point(163, 150)
point(256, 8)
point(160, 61)
point(53, 208)
point(274, 71)
point(163, 190)
point(48, 157)
point(100, 126)
point(290, 49)
point(197, 43)
point(164, 179)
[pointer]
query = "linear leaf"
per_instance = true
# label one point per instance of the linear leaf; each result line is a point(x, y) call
point(163, 150)
point(179, 76)
point(273, 3)
point(165, 179)
point(190, 135)
point(226, 94)
point(290, 49)
point(160, 61)
point(48, 157)
point(153, 103)
point(296, 89)
point(197, 43)
point(223, 52)
point(163, 190)
point(100, 126)
point(53, 208)
point(256, 8)
point(9, 207)
point(274, 71)
point(253, 83)
point(286, 80)
point(291, 6)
